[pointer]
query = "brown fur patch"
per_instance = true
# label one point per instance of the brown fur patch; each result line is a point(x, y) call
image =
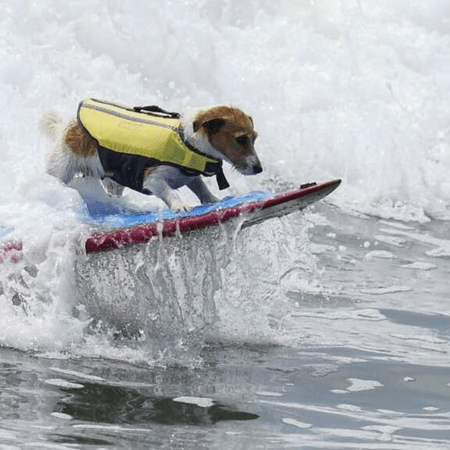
point(242, 122)
point(79, 142)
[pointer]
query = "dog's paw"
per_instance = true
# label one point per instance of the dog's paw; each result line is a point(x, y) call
point(180, 207)
point(210, 199)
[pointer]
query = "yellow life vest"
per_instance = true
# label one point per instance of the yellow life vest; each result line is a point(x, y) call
point(129, 140)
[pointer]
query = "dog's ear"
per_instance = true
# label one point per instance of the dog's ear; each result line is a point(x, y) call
point(212, 126)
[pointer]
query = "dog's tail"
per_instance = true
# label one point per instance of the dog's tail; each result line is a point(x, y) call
point(51, 124)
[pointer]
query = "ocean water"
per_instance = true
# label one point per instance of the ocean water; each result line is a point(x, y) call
point(328, 328)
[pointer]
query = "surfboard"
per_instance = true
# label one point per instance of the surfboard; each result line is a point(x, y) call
point(114, 229)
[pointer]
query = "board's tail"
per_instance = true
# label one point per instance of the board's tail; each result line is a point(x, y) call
point(51, 124)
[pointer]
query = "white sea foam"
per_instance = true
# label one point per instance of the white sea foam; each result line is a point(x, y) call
point(199, 401)
point(359, 386)
point(351, 90)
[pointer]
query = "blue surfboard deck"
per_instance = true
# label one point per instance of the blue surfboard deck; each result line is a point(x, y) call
point(105, 216)
point(116, 229)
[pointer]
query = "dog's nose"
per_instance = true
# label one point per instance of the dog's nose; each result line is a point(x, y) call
point(257, 169)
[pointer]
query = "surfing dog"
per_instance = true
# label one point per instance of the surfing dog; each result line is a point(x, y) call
point(150, 150)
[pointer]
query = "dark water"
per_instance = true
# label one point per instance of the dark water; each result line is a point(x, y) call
point(264, 397)
point(356, 357)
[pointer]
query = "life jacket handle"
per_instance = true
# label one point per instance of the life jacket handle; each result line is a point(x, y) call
point(157, 110)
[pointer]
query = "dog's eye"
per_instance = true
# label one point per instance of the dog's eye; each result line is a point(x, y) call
point(242, 140)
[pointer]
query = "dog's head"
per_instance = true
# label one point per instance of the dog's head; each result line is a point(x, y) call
point(231, 133)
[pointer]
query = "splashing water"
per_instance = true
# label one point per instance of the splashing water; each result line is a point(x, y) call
point(354, 90)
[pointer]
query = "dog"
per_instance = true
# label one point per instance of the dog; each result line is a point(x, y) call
point(106, 141)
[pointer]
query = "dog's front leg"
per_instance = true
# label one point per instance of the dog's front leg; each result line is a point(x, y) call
point(158, 186)
point(199, 188)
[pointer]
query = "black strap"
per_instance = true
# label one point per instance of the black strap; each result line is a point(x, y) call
point(211, 169)
point(222, 182)
point(156, 110)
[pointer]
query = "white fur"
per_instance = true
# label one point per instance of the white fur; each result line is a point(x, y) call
point(250, 161)
point(61, 162)
point(51, 124)
point(198, 140)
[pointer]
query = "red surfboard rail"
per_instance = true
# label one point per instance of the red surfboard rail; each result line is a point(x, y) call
point(139, 234)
